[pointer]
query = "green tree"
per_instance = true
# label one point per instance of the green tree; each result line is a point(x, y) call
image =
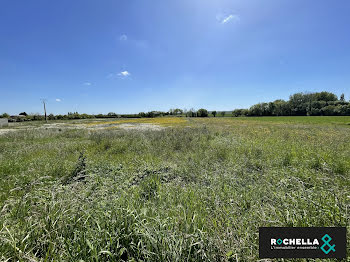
point(324, 96)
point(202, 112)
point(191, 113)
point(51, 117)
point(281, 108)
point(112, 114)
point(240, 112)
point(329, 110)
point(300, 104)
point(177, 111)
point(5, 115)
point(214, 113)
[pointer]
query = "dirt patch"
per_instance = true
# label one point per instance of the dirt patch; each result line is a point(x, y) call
point(125, 126)
point(61, 126)
point(141, 127)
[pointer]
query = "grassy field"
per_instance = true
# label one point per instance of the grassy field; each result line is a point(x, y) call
point(192, 190)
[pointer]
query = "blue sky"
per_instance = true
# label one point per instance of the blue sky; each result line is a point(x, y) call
point(131, 56)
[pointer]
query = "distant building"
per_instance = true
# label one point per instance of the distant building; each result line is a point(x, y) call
point(4, 122)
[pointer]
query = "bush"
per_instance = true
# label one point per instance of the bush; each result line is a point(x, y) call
point(240, 112)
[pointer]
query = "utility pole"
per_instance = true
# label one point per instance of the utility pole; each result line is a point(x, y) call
point(44, 103)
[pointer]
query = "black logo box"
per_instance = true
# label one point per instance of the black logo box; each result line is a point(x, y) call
point(338, 235)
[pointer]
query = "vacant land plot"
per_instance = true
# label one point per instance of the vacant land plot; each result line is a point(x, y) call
point(167, 189)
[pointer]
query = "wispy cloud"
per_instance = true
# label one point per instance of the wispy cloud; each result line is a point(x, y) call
point(87, 84)
point(123, 38)
point(121, 75)
point(224, 19)
point(110, 76)
point(124, 74)
point(143, 44)
point(136, 43)
point(58, 100)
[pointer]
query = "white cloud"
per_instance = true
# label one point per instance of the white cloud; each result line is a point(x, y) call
point(124, 74)
point(87, 84)
point(224, 19)
point(123, 38)
point(58, 100)
point(121, 75)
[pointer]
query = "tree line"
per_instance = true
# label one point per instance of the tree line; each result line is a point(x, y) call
point(23, 116)
point(299, 104)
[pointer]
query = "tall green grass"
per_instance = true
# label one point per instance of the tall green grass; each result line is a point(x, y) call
point(197, 193)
